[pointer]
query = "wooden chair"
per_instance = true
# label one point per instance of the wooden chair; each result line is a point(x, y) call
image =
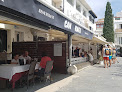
point(48, 69)
point(30, 75)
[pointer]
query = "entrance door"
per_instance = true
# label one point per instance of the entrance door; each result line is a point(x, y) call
point(3, 40)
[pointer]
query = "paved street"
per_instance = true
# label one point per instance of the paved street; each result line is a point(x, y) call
point(92, 79)
point(97, 79)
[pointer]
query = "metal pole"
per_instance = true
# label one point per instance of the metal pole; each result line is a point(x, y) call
point(89, 46)
point(70, 48)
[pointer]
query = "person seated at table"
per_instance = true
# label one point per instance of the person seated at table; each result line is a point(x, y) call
point(81, 55)
point(85, 54)
point(15, 60)
point(26, 57)
point(43, 62)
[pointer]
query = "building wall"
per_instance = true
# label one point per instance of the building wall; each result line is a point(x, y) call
point(118, 38)
point(12, 31)
point(72, 12)
point(118, 29)
point(99, 28)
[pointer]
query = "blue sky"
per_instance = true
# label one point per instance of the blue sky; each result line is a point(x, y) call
point(99, 6)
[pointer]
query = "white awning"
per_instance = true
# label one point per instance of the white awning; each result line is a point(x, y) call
point(99, 40)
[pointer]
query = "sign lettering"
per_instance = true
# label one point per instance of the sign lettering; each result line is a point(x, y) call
point(86, 33)
point(67, 24)
point(46, 14)
point(77, 29)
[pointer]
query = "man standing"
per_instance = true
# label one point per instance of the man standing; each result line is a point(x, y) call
point(76, 52)
point(105, 55)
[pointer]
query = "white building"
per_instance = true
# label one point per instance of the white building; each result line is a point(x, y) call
point(77, 10)
point(118, 28)
point(99, 27)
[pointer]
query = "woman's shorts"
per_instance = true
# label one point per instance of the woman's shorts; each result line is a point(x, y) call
point(106, 58)
point(110, 57)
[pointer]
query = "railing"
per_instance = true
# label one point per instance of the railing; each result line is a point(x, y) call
point(76, 60)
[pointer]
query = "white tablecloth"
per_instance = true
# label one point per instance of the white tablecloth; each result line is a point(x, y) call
point(8, 70)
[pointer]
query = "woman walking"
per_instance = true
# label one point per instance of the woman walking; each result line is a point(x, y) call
point(105, 55)
point(110, 55)
point(114, 55)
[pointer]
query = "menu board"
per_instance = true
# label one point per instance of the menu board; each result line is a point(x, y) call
point(58, 49)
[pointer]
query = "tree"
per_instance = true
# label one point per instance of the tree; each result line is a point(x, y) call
point(108, 29)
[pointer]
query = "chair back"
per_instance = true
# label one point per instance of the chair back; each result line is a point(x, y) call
point(48, 68)
point(31, 70)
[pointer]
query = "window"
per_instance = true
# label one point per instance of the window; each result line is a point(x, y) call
point(91, 19)
point(53, 3)
point(117, 18)
point(120, 26)
point(71, 2)
point(90, 27)
point(119, 40)
point(97, 25)
point(78, 7)
point(17, 37)
point(101, 25)
point(84, 13)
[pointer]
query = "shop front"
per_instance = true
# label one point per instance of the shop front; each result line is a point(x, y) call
point(24, 23)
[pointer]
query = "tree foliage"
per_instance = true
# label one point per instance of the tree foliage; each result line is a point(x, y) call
point(108, 29)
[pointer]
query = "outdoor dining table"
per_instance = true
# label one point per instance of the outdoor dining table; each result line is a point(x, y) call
point(14, 72)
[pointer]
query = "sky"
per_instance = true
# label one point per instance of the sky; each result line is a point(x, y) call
point(99, 6)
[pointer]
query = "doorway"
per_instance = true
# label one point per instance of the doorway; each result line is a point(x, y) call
point(3, 40)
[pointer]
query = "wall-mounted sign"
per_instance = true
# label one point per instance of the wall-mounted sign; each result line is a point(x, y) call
point(46, 14)
point(58, 49)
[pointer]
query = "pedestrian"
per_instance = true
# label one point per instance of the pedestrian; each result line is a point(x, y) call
point(100, 56)
point(91, 51)
point(110, 55)
point(76, 52)
point(114, 55)
point(105, 55)
point(83, 52)
point(90, 58)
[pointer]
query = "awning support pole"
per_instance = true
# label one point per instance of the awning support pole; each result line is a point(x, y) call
point(70, 48)
point(89, 46)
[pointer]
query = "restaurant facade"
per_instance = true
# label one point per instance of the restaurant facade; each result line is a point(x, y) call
point(21, 22)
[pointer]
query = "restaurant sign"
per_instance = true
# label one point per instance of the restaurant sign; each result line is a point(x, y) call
point(35, 9)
